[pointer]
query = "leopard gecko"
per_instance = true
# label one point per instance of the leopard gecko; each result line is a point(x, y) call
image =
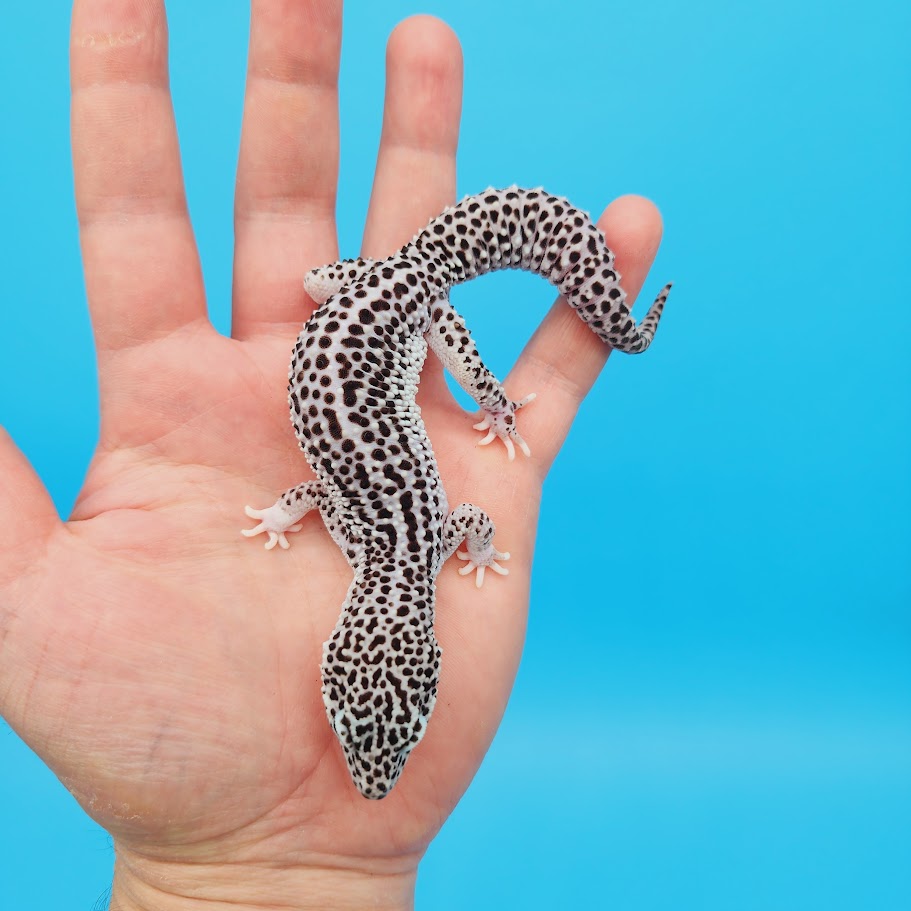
point(352, 383)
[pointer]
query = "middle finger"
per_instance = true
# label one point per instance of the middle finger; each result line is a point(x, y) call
point(288, 167)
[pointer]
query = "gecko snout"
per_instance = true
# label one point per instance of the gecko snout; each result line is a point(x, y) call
point(373, 753)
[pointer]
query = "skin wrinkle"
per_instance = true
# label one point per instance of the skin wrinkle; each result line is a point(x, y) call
point(268, 331)
point(120, 182)
point(274, 878)
point(156, 445)
point(283, 100)
point(324, 214)
point(311, 78)
point(116, 64)
point(82, 515)
point(249, 847)
point(323, 83)
point(157, 739)
point(552, 374)
point(110, 449)
point(7, 619)
point(299, 203)
point(77, 679)
point(199, 325)
point(13, 617)
point(421, 149)
point(119, 210)
point(127, 213)
point(26, 697)
point(138, 325)
point(126, 370)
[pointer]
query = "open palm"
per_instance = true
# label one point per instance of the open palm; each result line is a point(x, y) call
point(165, 667)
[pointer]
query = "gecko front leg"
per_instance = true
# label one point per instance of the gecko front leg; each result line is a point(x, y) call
point(472, 525)
point(449, 338)
point(285, 513)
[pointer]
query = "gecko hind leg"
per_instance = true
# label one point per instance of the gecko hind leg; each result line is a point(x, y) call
point(472, 525)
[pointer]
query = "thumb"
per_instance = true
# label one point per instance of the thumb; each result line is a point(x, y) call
point(27, 513)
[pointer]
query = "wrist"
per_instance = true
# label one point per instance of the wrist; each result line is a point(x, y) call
point(145, 884)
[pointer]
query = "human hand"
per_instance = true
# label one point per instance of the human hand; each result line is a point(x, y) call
point(164, 667)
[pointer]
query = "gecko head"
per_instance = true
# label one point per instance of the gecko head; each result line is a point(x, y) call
point(321, 283)
point(379, 689)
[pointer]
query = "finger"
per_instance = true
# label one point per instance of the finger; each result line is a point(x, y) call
point(27, 516)
point(141, 265)
point(564, 357)
point(416, 165)
point(288, 167)
point(416, 168)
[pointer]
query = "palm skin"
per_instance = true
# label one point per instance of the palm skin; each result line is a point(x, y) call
point(165, 667)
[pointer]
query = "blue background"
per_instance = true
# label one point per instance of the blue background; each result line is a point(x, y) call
point(738, 731)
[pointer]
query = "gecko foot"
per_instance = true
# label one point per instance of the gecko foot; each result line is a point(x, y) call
point(503, 426)
point(275, 522)
point(480, 562)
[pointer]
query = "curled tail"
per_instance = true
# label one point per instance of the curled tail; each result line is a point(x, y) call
point(535, 231)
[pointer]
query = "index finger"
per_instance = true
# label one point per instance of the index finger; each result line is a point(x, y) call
point(142, 271)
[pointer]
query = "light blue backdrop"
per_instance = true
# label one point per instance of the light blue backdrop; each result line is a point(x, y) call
point(734, 727)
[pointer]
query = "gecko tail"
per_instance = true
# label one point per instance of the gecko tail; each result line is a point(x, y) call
point(642, 336)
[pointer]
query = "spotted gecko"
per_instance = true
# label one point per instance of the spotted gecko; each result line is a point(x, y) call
point(352, 384)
